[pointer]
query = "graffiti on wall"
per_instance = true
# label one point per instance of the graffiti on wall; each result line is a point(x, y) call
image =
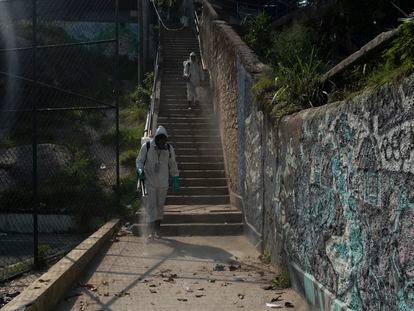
point(348, 193)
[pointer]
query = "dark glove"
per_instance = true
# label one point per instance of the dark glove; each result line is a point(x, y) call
point(140, 174)
point(175, 184)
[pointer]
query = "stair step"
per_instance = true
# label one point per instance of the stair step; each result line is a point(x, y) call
point(194, 144)
point(194, 112)
point(202, 174)
point(194, 218)
point(199, 229)
point(200, 165)
point(197, 200)
point(198, 151)
point(204, 182)
point(188, 126)
point(219, 190)
point(190, 139)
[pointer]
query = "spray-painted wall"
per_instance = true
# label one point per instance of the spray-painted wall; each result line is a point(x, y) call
point(329, 190)
point(346, 188)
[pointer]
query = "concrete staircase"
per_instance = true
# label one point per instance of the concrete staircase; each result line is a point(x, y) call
point(202, 205)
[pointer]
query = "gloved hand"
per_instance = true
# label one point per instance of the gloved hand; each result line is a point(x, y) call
point(141, 174)
point(175, 184)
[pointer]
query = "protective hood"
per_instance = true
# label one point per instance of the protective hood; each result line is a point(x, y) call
point(161, 131)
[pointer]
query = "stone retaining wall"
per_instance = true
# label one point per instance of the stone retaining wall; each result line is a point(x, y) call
point(329, 190)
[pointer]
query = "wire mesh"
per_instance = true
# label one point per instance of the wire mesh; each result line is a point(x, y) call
point(58, 138)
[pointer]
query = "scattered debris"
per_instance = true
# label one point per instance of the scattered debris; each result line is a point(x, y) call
point(89, 286)
point(235, 267)
point(219, 267)
point(212, 280)
point(200, 289)
point(226, 284)
point(122, 294)
point(268, 287)
point(153, 285)
point(276, 299)
point(274, 305)
point(153, 291)
point(188, 290)
point(44, 280)
point(199, 295)
point(106, 294)
point(13, 294)
point(238, 278)
point(289, 304)
point(182, 299)
point(241, 296)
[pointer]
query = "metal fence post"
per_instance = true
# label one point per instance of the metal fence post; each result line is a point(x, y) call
point(35, 199)
point(116, 86)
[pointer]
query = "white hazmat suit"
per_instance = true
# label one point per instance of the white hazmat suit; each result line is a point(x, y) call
point(158, 165)
point(194, 74)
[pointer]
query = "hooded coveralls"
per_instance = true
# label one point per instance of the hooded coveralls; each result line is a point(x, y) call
point(192, 70)
point(158, 166)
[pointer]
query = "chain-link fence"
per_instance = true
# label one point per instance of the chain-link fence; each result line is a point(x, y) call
point(59, 163)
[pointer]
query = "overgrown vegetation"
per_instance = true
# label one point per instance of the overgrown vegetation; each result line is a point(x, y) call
point(298, 55)
point(391, 64)
point(296, 64)
point(133, 113)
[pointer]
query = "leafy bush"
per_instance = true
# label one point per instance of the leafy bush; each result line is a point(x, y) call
point(298, 83)
point(296, 69)
point(259, 35)
point(402, 51)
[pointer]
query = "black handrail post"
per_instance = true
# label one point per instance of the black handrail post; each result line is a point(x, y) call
point(116, 86)
point(35, 199)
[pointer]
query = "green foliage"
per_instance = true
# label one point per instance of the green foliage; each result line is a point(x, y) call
point(298, 83)
point(295, 42)
point(128, 157)
point(401, 52)
point(395, 62)
point(258, 37)
point(128, 193)
point(129, 137)
point(282, 281)
point(141, 96)
point(264, 85)
point(294, 78)
point(43, 253)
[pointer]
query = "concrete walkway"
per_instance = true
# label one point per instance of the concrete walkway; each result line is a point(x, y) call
point(177, 273)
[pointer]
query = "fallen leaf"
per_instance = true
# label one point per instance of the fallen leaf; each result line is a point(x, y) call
point(276, 299)
point(234, 267)
point(199, 295)
point(153, 291)
point(289, 304)
point(241, 296)
point(201, 288)
point(182, 299)
point(267, 287)
point(44, 280)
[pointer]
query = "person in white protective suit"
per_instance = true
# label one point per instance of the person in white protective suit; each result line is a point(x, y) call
point(192, 75)
point(155, 165)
